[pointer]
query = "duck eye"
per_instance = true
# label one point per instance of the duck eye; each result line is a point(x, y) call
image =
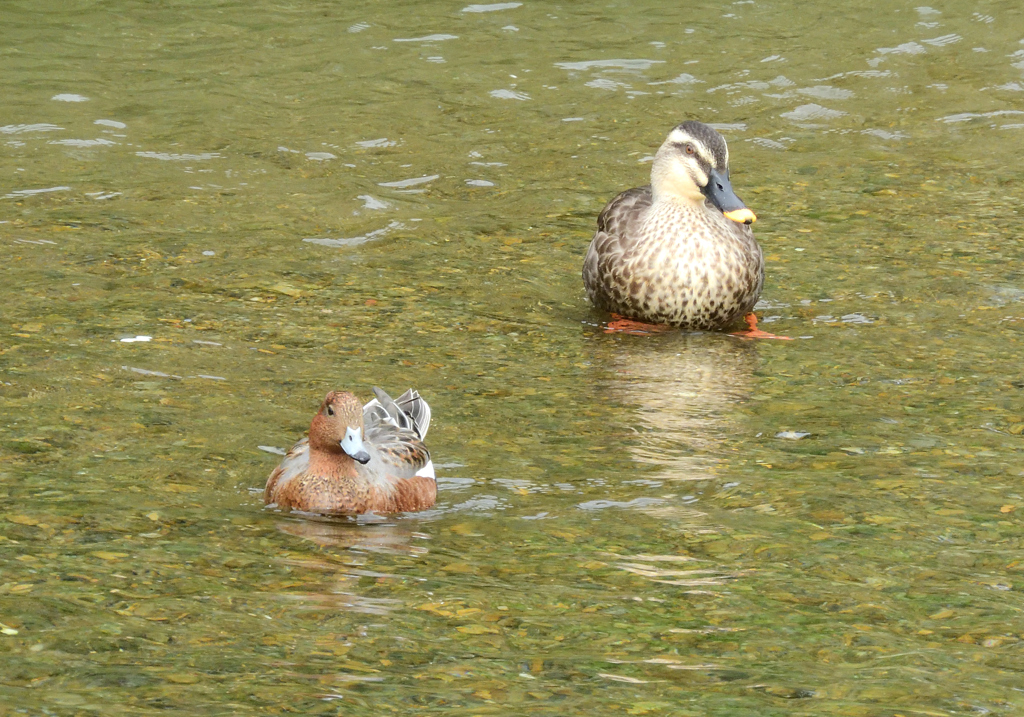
point(330, 411)
point(689, 149)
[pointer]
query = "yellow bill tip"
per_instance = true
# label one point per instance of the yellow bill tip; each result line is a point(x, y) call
point(741, 216)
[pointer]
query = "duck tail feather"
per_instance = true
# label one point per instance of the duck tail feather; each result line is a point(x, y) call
point(394, 415)
point(417, 408)
point(408, 411)
point(374, 413)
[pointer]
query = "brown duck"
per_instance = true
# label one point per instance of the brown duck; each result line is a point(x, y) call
point(678, 251)
point(359, 459)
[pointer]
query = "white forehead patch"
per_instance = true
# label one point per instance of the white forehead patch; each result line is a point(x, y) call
point(352, 443)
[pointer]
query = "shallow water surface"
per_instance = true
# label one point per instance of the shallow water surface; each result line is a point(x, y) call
point(213, 213)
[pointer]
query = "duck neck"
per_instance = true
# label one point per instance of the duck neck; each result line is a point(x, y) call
point(672, 208)
point(337, 465)
point(321, 437)
point(674, 202)
point(671, 192)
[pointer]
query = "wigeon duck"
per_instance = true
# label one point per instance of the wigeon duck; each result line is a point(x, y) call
point(359, 459)
point(678, 251)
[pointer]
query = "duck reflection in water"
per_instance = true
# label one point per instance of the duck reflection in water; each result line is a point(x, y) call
point(687, 390)
point(331, 576)
point(686, 393)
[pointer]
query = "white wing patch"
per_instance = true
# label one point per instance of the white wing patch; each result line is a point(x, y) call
point(427, 471)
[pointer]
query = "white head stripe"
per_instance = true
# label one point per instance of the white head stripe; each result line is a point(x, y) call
point(678, 136)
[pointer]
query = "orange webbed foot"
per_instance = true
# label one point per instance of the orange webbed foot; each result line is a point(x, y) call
point(752, 332)
point(621, 325)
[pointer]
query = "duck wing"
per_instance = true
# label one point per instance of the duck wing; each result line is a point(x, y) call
point(616, 234)
point(395, 430)
point(399, 461)
point(400, 467)
point(624, 211)
point(400, 452)
point(410, 411)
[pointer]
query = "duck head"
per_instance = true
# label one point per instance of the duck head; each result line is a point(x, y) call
point(338, 426)
point(692, 166)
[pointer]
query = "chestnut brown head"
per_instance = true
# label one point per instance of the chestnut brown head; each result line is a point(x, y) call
point(338, 426)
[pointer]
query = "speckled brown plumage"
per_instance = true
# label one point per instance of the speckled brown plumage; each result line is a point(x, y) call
point(664, 255)
point(319, 476)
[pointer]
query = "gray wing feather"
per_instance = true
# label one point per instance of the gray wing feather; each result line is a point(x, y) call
point(374, 413)
point(409, 412)
point(416, 408)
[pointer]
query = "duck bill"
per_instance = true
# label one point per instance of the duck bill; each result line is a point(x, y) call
point(352, 444)
point(719, 192)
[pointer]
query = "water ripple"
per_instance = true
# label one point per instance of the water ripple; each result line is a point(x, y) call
point(22, 128)
point(409, 182)
point(508, 95)
point(82, 142)
point(965, 116)
point(19, 193)
point(907, 48)
point(357, 240)
point(804, 113)
point(493, 7)
point(427, 38)
point(171, 157)
point(616, 64)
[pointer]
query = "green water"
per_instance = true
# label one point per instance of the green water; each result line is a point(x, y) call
point(619, 528)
